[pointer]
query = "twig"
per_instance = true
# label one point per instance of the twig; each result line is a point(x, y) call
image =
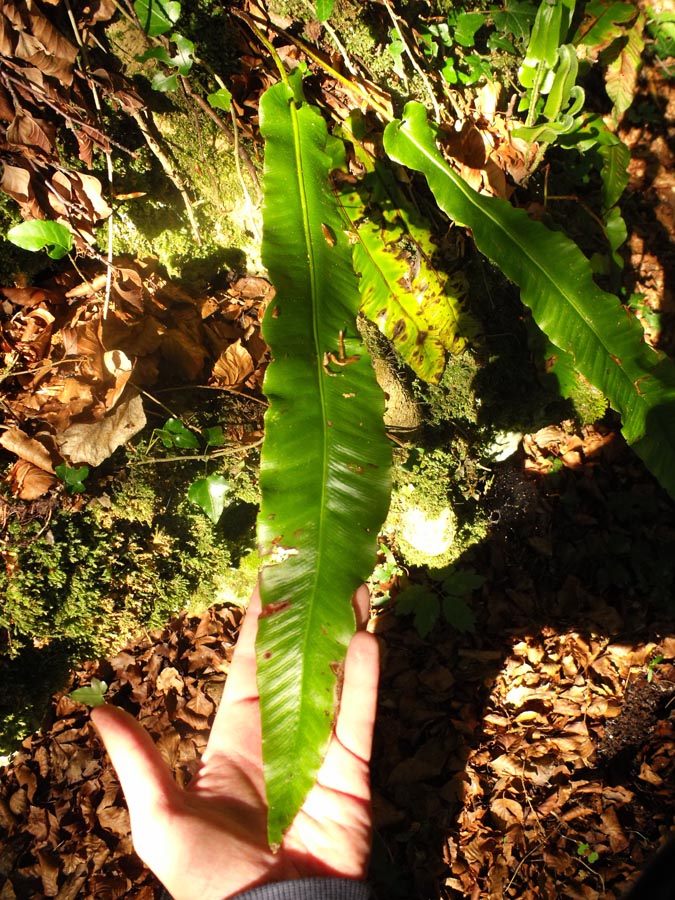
point(202, 457)
point(213, 115)
point(255, 24)
point(336, 40)
point(171, 173)
point(109, 165)
point(212, 387)
point(416, 66)
point(250, 205)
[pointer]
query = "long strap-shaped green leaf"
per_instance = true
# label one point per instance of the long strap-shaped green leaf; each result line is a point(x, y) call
point(556, 282)
point(325, 461)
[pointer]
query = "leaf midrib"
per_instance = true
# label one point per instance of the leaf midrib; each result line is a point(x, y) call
point(295, 123)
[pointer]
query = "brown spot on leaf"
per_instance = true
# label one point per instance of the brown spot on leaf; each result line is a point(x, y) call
point(272, 608)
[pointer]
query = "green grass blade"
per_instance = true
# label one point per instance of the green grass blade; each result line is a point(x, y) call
point(604, 339)
point(325, 461)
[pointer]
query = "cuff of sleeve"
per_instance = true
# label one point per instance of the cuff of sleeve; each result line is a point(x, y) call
point(309, 889)
point(304, 889)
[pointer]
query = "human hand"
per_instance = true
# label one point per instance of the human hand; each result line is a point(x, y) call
point(209, 841)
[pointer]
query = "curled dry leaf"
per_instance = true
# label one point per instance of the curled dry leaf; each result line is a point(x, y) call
point(120, 367)
point(27, 448)
point(28, 482)
point(233, 366)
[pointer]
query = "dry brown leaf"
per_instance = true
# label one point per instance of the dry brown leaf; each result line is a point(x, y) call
point(27, 448)
point(233, 366)
point(613, 830)
point(94, 443)
point(506, 812)
point(30, 132)
point(15, 181)
point(49, 872)
point(169, 679)
point(120, 367)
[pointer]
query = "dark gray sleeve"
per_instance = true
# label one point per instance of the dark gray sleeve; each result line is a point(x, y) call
point(306, 889)
point(309, 889)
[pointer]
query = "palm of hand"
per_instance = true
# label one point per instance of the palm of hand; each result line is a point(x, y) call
point(210, 841)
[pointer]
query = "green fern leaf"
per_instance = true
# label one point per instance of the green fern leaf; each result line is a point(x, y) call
point(604, 339)
point(325, 460)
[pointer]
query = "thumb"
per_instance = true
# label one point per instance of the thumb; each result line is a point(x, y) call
point(145, 778)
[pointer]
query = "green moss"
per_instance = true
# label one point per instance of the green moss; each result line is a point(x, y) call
point(131, 559)
point(454, 399)
point(590, 404)
point(430, 523)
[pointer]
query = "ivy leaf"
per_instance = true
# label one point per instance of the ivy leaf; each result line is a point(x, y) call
point(210, 494)
point(466, 26)
point(214, 436)
point(92, 695)
point(185, 57)
point(157, 16)
point(165, 83)
point(221, 99)
point(74, 478)
point(176, 434)
point(37, 234)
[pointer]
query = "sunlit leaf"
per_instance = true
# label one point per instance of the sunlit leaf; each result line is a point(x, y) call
point(604, 22)
point(211, 494)
point(164, 83)
point(37, 234)
point(325, 461)
point(465, 27)
point(220, 99)
point(185, 56)
point(157, 16)
point(92, 695)
point(324, 9)
point(604, 339)
point(74, 477)
point(622, 74)
point(176, 434)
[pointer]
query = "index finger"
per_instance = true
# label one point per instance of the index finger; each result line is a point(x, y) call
point(237, 722)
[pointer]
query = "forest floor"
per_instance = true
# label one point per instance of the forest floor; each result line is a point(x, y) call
point(531, 759)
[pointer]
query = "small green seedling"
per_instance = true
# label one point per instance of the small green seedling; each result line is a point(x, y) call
point(92, 695)
point(74, 478)
point(591, 856)
point(448, 595)
point(383, 574)
point(651, 666)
